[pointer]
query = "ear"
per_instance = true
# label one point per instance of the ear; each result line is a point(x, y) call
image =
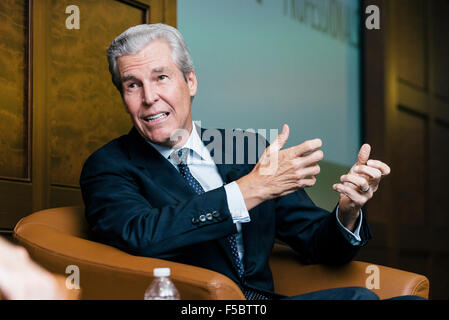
point(192, 83)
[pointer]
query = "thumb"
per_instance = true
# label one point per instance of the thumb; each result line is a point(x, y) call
point(281, 139)
point(364, 153)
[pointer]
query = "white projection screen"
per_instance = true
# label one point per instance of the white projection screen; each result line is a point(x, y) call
point(262, 63)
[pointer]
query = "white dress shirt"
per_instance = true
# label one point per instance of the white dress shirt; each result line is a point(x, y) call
point(204, 169)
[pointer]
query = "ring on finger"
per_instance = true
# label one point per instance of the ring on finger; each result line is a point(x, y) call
point(365, 190)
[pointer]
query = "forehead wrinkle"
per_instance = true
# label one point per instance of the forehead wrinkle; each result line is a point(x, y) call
point(127, 76)
point(144, 66)
point(133, 65)
point(156, 55)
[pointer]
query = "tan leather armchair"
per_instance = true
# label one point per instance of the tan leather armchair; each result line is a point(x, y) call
point(57, 238)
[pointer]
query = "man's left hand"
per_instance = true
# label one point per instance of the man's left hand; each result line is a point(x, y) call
point(358, 186)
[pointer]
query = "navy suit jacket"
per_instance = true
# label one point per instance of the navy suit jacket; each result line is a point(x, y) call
point(137, 201)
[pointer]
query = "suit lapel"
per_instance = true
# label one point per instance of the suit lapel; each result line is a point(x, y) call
point(160, 170)
point(228, 171)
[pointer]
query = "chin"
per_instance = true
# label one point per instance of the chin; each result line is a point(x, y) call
point(161, 137)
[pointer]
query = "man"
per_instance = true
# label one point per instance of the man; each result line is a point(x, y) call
point(159, 192)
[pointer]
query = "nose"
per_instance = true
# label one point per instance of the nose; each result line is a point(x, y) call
point(149, 93)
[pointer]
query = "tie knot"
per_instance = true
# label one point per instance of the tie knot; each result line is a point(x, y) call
point(180, 156)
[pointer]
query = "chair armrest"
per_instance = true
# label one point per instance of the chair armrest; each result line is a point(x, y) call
point(291, 277)
point(109, 273)
point(65, 292)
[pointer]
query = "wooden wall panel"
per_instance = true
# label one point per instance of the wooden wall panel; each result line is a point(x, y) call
point(409, 174)
point(440, 31)
point(440, 267)
point(14, 118)
point(410, 41)
point(440, 175)
point(63, 196)
point(85, 109)
point(15, 198)
point(414, 261)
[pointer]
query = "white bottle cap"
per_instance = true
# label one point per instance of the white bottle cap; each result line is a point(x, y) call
point(161, 272)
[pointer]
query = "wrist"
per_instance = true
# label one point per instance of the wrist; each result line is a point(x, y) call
point(253, 196)
point(348, 218)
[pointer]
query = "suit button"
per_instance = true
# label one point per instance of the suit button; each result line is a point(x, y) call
point(195, 220)
point(202, 218)
point(209, 216)
point(215, 214)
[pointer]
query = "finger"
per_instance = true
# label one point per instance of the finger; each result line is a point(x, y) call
point(352, 194)
point(299, 183)
point(282, 137)
point(384, 168)
point(308, 172)
point(308, 160)
point(358, 181)
point(280, 140)
point(369, 171)
point(363, 155)
point(309, 182)
point(271, 153)
point(305, 148)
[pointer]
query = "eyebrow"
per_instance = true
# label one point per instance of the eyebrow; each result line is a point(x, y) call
point(127, 78)
point(132, 77)
point(158, 69)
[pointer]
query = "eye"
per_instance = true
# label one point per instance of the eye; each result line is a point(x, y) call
point(132, 85)
point(162, 77)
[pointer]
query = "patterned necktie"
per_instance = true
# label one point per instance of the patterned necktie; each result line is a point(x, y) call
point(196, 186)
point(180, 158)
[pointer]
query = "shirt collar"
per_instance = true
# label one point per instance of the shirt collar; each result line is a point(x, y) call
point(193, 143)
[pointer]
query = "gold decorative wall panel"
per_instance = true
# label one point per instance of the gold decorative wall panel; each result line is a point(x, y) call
point(57, 101)
point(13, 88)
point(85, 110)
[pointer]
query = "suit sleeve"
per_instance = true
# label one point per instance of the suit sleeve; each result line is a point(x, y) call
point(119, 215)
point(314, 232)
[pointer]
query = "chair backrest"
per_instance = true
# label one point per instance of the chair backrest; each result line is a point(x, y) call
point(68, 220)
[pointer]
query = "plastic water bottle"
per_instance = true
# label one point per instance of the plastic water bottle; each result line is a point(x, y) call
point(162, 288)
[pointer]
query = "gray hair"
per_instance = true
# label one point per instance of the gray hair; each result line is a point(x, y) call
point(135, 38)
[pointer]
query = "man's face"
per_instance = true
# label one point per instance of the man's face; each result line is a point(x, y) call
point(155, 93)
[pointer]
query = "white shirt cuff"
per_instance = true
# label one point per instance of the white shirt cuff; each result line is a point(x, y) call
point(236, 203)
point(352, 237)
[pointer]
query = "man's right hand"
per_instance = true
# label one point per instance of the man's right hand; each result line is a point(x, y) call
point(280, 172)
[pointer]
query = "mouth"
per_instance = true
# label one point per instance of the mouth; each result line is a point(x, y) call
point(156, 118)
